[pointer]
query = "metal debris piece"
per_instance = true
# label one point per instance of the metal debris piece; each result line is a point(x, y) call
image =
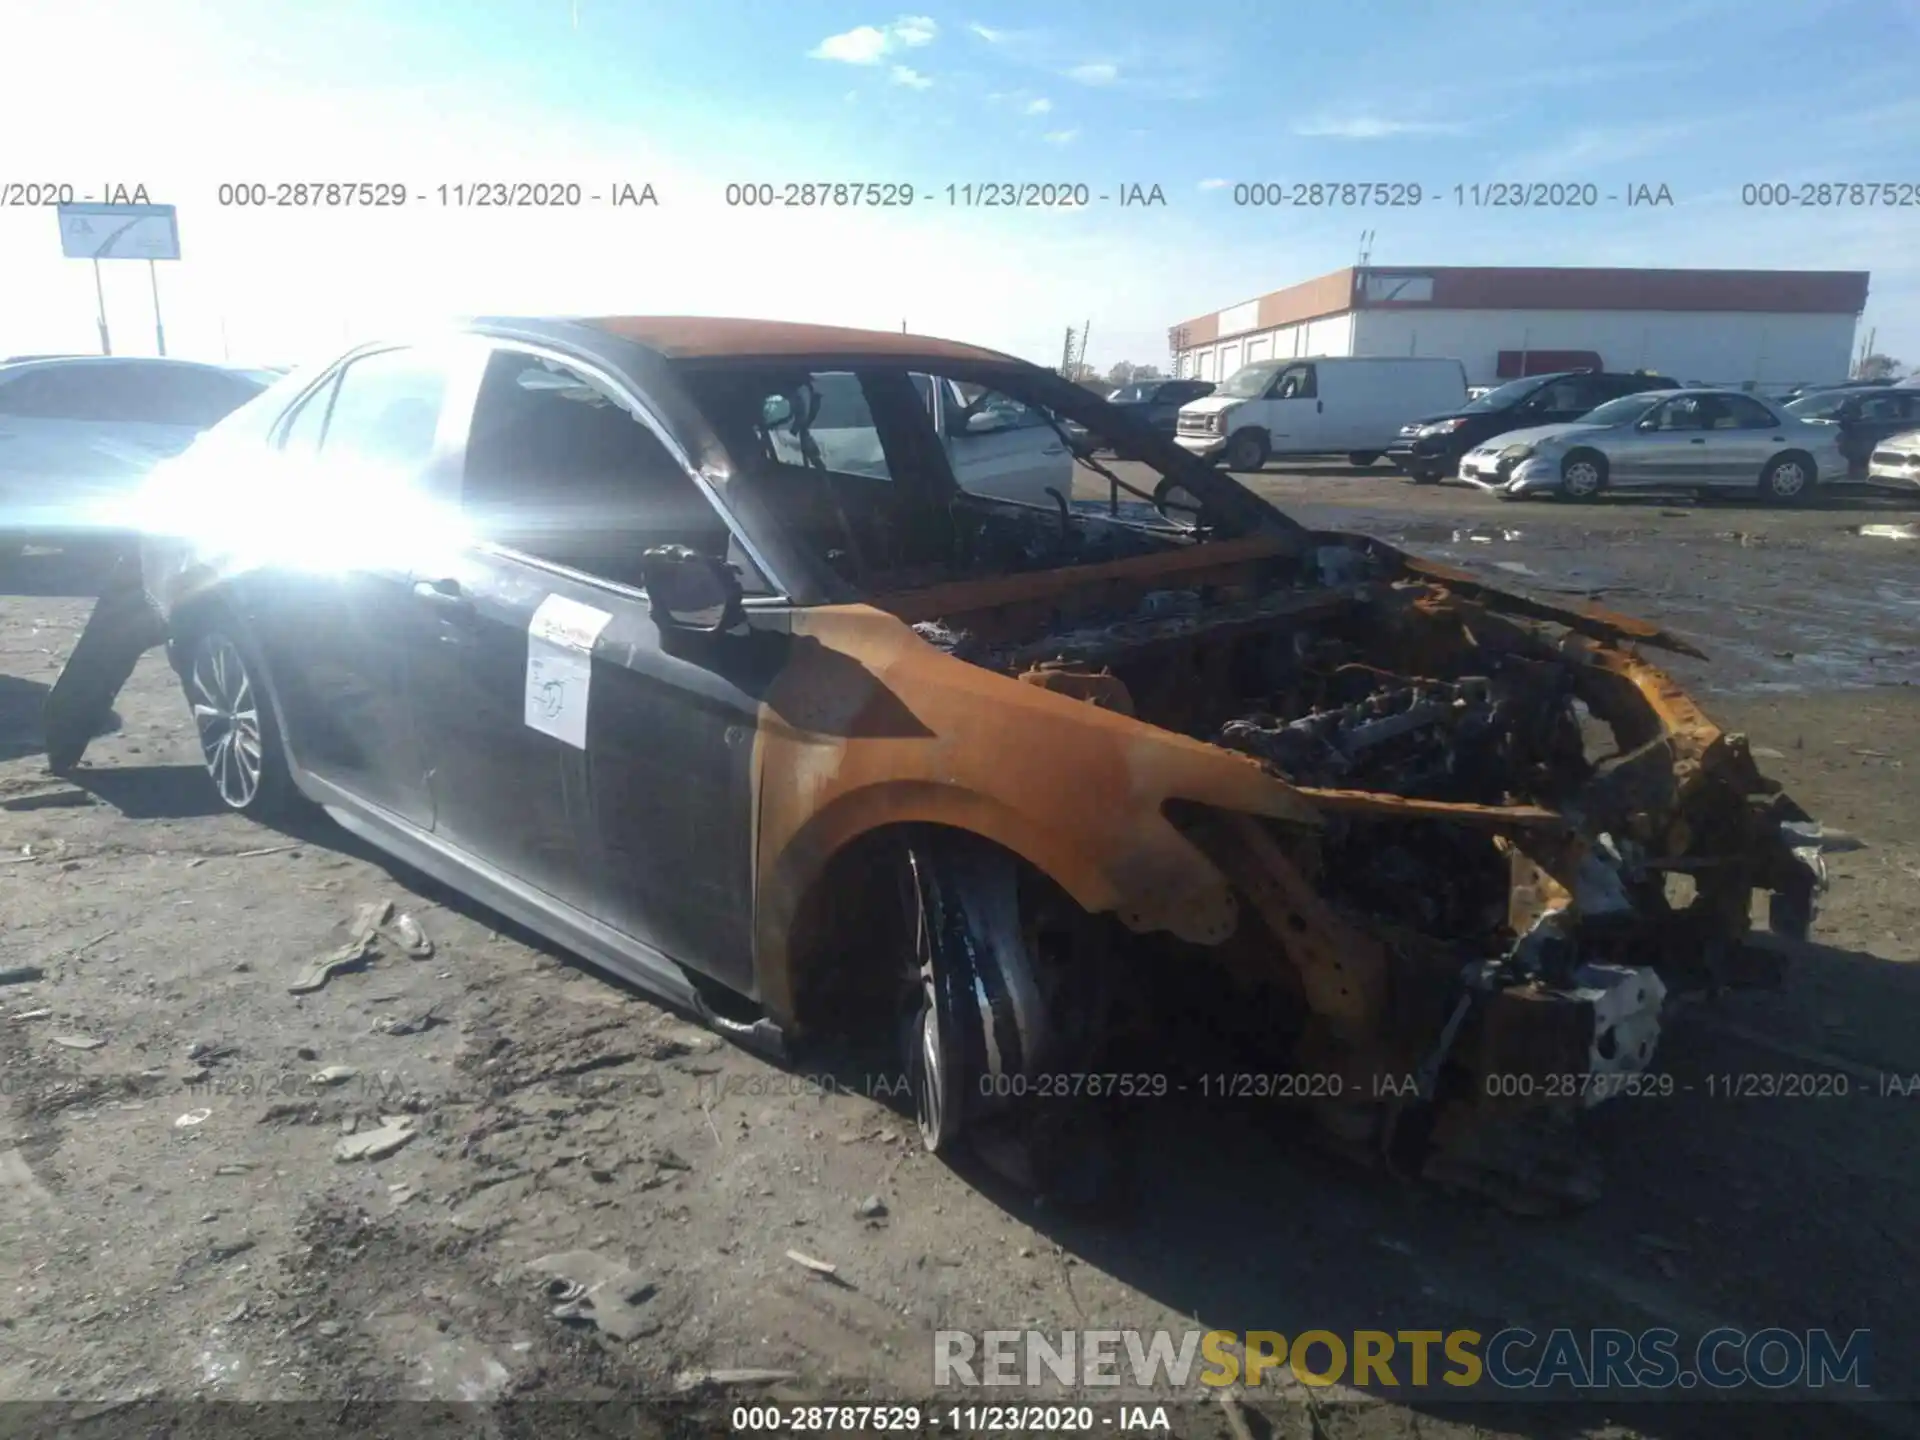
point(696, 1379)
point(605, 1293)
point(819, 1267)
point(78, 1042)
point(412, 1025)
point(405, 934)
point(263, 850)
point(192, 1118)
point(332, 1075)
point(345, 957)
point(871, 1208)
point(21, 974)
point(1890, 532)
point(390, 1135)
point(33, 1014)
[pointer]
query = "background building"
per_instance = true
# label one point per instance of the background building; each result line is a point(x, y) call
point(1759, 328)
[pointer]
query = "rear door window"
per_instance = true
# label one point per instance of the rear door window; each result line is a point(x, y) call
point(1742, 412)
point(386, 410)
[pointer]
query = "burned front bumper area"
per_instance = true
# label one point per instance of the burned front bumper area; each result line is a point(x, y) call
point(1531, 842)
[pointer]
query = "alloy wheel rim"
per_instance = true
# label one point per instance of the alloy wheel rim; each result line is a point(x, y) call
point(227, 716)
point(1582, 479)
point(1789, 479)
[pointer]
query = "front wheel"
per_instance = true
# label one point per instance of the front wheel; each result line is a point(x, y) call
point(1424, 474)
point(1787, 480)
point(1363, 458)
point(240, 741)
point(1247, 451)
point(1583, 475)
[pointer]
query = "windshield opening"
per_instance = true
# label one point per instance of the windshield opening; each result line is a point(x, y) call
point(1819, 406)
point(1505, 397)
point(1622, 411)
point(1250, 381)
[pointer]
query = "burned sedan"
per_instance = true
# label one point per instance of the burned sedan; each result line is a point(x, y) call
point(577, 617)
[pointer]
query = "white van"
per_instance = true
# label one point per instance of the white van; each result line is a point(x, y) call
point(1321, 405)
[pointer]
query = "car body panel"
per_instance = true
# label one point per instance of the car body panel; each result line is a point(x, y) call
point(1895, 462)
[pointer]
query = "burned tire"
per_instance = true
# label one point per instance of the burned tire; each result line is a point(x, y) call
point(1247, 451)
point(1583, 475)
point(233, 716)
point(972, 1016)
point(1788, 479)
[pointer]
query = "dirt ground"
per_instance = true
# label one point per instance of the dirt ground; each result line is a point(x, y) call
point(175, 1223)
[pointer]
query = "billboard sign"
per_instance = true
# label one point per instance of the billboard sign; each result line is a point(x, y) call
point(119, 232)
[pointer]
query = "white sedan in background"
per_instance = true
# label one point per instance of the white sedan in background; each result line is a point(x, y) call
point(1895, 462)
point(1694, 439)
point(997, 446)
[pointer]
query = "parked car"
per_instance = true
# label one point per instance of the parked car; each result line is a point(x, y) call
point(1796, 392)
point(1429, 448)
point(77, 433)
point(1157, 402)
point(995, 445)
point(547, 610)
point(1895, 462)
point(1664, 440)
point(1864, 417)
point(1327, 405)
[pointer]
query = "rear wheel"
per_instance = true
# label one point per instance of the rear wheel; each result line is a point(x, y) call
point(240, 741)
point(1247, 451)
point(1788, 479)
point(1583, 475)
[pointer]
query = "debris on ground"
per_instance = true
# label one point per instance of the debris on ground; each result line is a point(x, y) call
point(78, 1042)
point(33, 1015)
point(374, 922)
point(589, 1287)
point(391, 1134)
point(21, 975)
point(192, 1118)
point(1890, 532)
point(819, 1267)
point(871, 1208)
point(413, 1024)
point(698, 1379)
point(333, 1075)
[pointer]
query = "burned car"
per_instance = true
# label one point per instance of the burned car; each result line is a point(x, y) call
point(576, 617)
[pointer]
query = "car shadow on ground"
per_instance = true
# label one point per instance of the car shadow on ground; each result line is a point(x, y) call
point(21, 703)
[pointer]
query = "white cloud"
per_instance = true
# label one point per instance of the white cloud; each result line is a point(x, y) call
point(1040, 106)
point(906, 75)
point(991, 36)
point(1061, 137)
point(1214, 184)
point(1373, 127)
point(1098, 72)
point(869, 44)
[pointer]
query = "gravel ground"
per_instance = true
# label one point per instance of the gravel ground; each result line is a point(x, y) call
point(176, 1219)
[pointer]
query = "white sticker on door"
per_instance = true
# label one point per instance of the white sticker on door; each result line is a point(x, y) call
point(560, 640)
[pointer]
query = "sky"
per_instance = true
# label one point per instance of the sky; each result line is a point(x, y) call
point(1704, 97)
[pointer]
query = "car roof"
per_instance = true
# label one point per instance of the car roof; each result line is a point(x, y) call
point(706, 337)
point(106, 362)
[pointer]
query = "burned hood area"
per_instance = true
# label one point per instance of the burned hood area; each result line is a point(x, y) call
point(1530, 842)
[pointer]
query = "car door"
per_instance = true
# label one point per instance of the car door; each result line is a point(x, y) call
point(1666, 448)
point(1566, 399)
point(367, 452)
point(1000, 447)
point(573, 745)
point(1743, 435)
point(1295, 412)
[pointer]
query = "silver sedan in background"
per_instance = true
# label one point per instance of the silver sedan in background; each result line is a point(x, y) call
point(1694, 439)
point(1895, 462)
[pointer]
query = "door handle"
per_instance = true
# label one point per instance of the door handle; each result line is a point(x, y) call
point(443, 595)
point(1319, 407)
point(1696, 441)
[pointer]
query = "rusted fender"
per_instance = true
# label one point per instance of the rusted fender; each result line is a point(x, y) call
point(1593, 620)
point(868, 725)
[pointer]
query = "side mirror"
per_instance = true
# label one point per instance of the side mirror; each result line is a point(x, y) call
point(985, 422)
point(777, 410)
point(690, 591)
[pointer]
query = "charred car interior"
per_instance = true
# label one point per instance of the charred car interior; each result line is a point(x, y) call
point(1030, 784)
